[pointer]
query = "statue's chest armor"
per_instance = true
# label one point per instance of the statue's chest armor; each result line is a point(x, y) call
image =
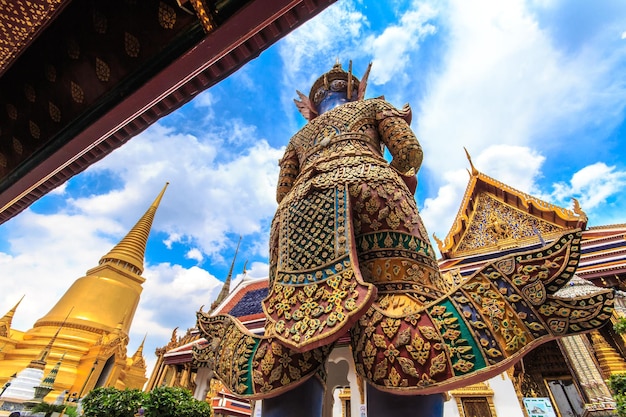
point(350, 118)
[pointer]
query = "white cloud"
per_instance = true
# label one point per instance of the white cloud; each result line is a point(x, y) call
point(204, 100)
point(624, 35)
point(195, 254)
point(592, 185)
point(503, 80)
point(515, 166)
point(439, 211)
point(322, 39)
point(390, 49)
point(312, 49)
point(207, 197)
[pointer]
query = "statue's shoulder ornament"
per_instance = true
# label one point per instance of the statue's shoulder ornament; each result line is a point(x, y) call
point(386, 109)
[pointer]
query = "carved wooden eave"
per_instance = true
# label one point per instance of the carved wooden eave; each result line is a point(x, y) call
point(603, 259)
point(79, 79)
point(494, 217)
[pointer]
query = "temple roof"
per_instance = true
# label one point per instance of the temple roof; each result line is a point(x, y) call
point(497, 220)
point(79, 79)
point(244, 302)
point(494, 217)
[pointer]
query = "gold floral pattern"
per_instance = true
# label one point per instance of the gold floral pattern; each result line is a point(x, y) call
point(478, 329)
point(249, 365)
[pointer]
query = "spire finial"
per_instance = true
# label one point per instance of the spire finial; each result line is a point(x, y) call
point(7, 319)
point(469, 158)
point(139, 352)
point(40, 363)
point(226, 287)
point(349, 90)
point(132, 248)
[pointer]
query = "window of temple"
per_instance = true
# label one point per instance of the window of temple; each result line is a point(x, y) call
point(565, 397)
point(476, 407)
point(475, 400)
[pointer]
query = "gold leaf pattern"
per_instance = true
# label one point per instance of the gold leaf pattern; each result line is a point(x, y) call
point(77, 92)
point(29, 93)
point(55, 112)
point(103, 72)
point(73, 49)
point(11, 111)
point(100, 22)
point(167, 16)
point(131, 45)
point(34, 129)
point(51, 73)
point(17, 146)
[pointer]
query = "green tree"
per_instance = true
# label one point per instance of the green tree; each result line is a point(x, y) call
point(617, 382)
point(111, 402)
point(174, 402)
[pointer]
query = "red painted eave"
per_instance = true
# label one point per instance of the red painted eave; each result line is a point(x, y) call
point(240, 39)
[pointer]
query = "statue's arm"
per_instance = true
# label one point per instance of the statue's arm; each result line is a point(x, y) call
point(396, 134)
point(289, 169)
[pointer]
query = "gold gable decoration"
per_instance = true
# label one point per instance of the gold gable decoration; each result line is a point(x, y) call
point(496, 225)
point(494, 216)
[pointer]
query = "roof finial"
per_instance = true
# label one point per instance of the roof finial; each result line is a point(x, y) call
point(469, 158)
point(439, 242)
point(578, 210)
point(226, 287)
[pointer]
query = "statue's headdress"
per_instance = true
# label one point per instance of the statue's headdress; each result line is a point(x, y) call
point(334, 80)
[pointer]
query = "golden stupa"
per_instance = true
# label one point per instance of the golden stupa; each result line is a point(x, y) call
point(89, 326)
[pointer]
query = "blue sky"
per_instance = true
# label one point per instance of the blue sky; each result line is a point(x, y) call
point(535, 90)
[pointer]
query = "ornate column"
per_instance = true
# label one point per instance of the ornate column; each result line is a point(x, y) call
point(578, 351)
point(610, 361)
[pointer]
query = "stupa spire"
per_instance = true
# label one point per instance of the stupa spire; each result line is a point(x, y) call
point(132, 248)
point(226, 287)
point(139, 353)
point(7, 320)
point(40, 363)
point(48, 381)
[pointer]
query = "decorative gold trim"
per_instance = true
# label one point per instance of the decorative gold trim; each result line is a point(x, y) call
point(205, 14)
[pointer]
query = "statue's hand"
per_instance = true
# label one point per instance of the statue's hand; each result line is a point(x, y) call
point(410, 181)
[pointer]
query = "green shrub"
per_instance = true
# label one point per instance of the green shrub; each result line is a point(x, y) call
point(174, 402)
point(160, 402)
point(111, 402)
